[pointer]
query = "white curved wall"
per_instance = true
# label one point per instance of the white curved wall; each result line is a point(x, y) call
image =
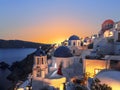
point(111, 78)
point(66, 61)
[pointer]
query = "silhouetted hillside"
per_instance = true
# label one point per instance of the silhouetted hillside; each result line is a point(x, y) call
point(21, 69)
point(19, 44)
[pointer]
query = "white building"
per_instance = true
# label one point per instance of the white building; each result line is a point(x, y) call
point(108, 41)
point(104, 59)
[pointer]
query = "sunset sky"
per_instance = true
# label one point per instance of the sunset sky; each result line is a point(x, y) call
point(50, 21)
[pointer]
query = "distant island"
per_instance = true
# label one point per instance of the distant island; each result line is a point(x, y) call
point(19, 44)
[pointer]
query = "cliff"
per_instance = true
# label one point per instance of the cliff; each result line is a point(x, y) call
point(19, 44)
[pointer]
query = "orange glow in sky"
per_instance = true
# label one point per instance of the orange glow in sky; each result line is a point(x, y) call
point(55, 30)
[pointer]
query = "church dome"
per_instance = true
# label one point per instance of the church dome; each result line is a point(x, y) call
point(107, 24)
point(74, 37)
point(62, 51)
point(39, 52)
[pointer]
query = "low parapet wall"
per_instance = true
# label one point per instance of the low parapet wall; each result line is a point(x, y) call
point(39, 83)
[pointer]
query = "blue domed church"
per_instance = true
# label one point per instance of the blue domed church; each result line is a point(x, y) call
point(74, 43)
point(63, 55)
point(64, 65)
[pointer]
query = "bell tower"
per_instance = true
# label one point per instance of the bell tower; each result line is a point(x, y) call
point(74, 44)
point(40, 68)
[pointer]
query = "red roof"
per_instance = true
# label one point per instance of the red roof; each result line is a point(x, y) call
point(106, 22)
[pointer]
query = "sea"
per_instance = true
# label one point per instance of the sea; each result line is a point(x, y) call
point(9, 56)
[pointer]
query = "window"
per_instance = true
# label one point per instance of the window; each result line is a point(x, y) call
point(38, 60)
point(42, 61)
point(118, 36)
point(74, 43)
point(39, 73)
point(73, 51)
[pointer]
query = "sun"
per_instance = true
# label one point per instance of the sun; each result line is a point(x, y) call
point(58, 41)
